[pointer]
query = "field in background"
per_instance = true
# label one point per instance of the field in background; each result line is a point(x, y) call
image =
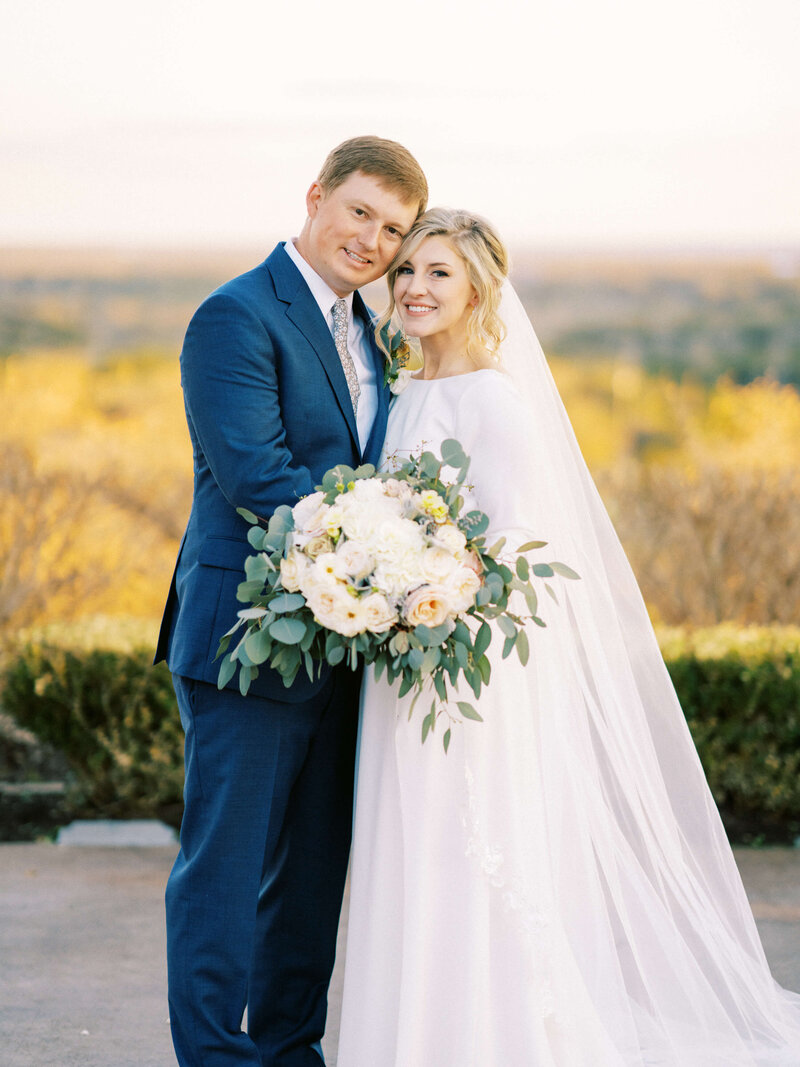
point(700, 468)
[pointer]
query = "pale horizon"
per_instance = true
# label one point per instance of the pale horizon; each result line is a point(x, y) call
point(171, 124)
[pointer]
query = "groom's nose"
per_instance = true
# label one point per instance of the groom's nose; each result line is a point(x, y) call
point(368, 236)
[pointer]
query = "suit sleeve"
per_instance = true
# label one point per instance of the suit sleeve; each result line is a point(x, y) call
point(230, 383)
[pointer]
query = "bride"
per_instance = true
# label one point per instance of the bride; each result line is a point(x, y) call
point(556, 890)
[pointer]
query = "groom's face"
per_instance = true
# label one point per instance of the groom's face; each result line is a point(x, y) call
point(353, 231)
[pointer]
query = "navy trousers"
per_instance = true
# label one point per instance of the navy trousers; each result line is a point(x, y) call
point(254, 896)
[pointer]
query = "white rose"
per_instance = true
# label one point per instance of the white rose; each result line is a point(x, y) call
point(309, 514)
point(378, 614)
point(464, 585)
point(400, 382)
point(335, 609)
point(355, 559)
point(428, 605)
point(292, 568)
point(438, 565)
point(318, 545)
point(450, 538)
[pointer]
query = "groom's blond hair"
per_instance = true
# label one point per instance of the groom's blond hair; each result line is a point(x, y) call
point(387, 161)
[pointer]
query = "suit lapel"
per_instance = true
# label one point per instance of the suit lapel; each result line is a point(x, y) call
point(303, 310)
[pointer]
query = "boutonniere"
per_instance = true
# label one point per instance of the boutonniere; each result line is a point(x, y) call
point(397, 369)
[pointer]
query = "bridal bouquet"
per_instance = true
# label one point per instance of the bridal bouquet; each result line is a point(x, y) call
point(388, 567)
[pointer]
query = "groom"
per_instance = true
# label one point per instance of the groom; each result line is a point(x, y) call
point(282, 380)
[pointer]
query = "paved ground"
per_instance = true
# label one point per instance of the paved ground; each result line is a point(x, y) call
point(82, 979)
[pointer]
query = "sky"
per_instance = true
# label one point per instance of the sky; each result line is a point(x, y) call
point(573, 123)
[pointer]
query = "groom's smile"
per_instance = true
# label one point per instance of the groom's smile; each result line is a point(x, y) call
point(353, 230)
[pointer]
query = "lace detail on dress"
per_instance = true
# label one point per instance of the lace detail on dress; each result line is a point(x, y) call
point(517, 897)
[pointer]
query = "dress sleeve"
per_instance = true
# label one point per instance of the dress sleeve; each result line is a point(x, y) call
point(492, 425)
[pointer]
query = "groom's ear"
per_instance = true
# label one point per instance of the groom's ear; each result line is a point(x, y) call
point(313, 197)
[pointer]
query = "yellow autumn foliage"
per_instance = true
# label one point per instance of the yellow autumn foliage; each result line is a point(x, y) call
point(96, 485)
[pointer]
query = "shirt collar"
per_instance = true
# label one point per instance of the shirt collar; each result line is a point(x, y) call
point(320, 290)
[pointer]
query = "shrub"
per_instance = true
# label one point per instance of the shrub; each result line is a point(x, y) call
point(114, 718)
point(740, 692)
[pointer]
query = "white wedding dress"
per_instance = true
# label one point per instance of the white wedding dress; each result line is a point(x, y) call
point(554, 891)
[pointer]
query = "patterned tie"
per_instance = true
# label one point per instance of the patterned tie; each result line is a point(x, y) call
point(340, 339)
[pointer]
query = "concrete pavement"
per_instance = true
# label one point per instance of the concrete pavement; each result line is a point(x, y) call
point(82, 972)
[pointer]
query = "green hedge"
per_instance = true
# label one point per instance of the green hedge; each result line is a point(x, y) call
point(114, 718)
point(740, 692)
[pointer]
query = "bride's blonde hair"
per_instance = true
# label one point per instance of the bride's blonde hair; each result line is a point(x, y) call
point(486, 260)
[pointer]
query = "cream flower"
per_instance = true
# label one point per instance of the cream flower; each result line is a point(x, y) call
point(355, 559)
point(333, 520)
point(309, 514)
point(437, 565)
point(335, 609)
point(464, 585)
point(318, 545)
point(379, 615)
point(330, 566)
point(398, 384)
point(451, 538)
point(429, 605)
point(292, 569)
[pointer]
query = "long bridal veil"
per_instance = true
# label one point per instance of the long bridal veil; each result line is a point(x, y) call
point(616, 864)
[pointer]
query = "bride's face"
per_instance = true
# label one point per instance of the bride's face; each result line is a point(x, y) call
point(432, 291)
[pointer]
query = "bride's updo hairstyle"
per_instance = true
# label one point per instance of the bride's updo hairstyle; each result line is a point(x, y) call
point(486, 260)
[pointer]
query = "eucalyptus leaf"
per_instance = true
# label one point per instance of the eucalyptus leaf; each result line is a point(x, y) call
point(446, 739)
point(507, 626)
point(427, 725)
point(287, 602)
point(227, 669)
point(543, 570)
point(468, 711)
point(565, 571)
point(523, 648)
point(258, 646)
point(248, 515)
point(252, 613)
point(453, 454)
point(336, 655)
point(496, 548)
point(255, 536)
point(247, 592)
point(257, 568)
point(482, 639)
point(406, 685)
point(529, 546)
point(288, 631)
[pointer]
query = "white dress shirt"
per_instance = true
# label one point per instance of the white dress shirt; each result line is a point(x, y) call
point(357, 342)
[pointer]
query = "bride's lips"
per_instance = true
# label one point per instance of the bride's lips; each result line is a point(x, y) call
point(419, 309)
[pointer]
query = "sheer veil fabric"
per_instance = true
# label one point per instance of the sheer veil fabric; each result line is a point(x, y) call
point(558, 890)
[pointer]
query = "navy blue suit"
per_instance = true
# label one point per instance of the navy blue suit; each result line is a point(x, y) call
point(254, 897)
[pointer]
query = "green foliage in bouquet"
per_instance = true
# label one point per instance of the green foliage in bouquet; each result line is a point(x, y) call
point(341, 578)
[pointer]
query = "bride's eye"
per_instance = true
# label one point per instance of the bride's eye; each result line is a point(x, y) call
point(405, 269)
point(440, 274)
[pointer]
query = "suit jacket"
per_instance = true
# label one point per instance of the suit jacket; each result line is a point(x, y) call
point(269, 412)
